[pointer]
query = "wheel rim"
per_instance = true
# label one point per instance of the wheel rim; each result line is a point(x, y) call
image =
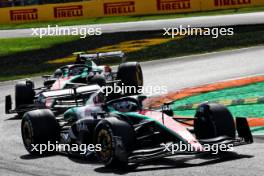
point(104, 138)
point(27, 134)
point(139, 76)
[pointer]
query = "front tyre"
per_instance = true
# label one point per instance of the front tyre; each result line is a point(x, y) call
point(39, 127)
point(213, 120)
point(116, 138)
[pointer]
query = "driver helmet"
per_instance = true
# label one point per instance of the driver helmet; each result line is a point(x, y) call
point(58, 73)
point(125, 106)
point(80, 59)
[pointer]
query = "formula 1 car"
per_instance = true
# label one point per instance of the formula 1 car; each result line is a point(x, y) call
point(128, 133)
point(84, 71)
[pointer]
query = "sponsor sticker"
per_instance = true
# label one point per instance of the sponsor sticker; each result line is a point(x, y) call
point(68, 11)
point(24, 15)
point(218, 3)
point(167, 5)
point(125, 7)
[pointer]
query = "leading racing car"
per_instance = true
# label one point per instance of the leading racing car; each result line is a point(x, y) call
point(126, 132)
point(84, 71)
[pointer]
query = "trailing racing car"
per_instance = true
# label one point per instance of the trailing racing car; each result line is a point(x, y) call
point(128, 133)
point(84, 71)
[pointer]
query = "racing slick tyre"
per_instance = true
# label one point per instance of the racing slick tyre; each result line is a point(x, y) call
point(98, 79)
point(130, 74)
point(39, 127)
point(213, 120)
point(117, 139)
point(24, 94)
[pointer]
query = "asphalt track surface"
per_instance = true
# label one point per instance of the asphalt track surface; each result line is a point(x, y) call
point(176, 73)
point(204, 21)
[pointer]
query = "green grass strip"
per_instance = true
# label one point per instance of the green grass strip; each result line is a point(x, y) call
point(25, 57)
point(244, 92)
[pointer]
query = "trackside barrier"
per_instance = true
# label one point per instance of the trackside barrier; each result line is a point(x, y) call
point(227, 4)
point(104, 8)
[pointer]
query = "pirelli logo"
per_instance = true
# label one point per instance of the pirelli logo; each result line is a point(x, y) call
point(231, 2)
point(124, 7)
point(68, 11)
point(167, 5)
point(24, 15)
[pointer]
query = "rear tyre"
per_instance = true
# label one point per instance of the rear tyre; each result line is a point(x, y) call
point(117, 139)
point(39, 127)
point(130, 74)
point(213, 120)
point(24, 94)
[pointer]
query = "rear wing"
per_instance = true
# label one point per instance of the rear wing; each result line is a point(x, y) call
point(64, 98)
point(100, 56)
point(71, 92)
